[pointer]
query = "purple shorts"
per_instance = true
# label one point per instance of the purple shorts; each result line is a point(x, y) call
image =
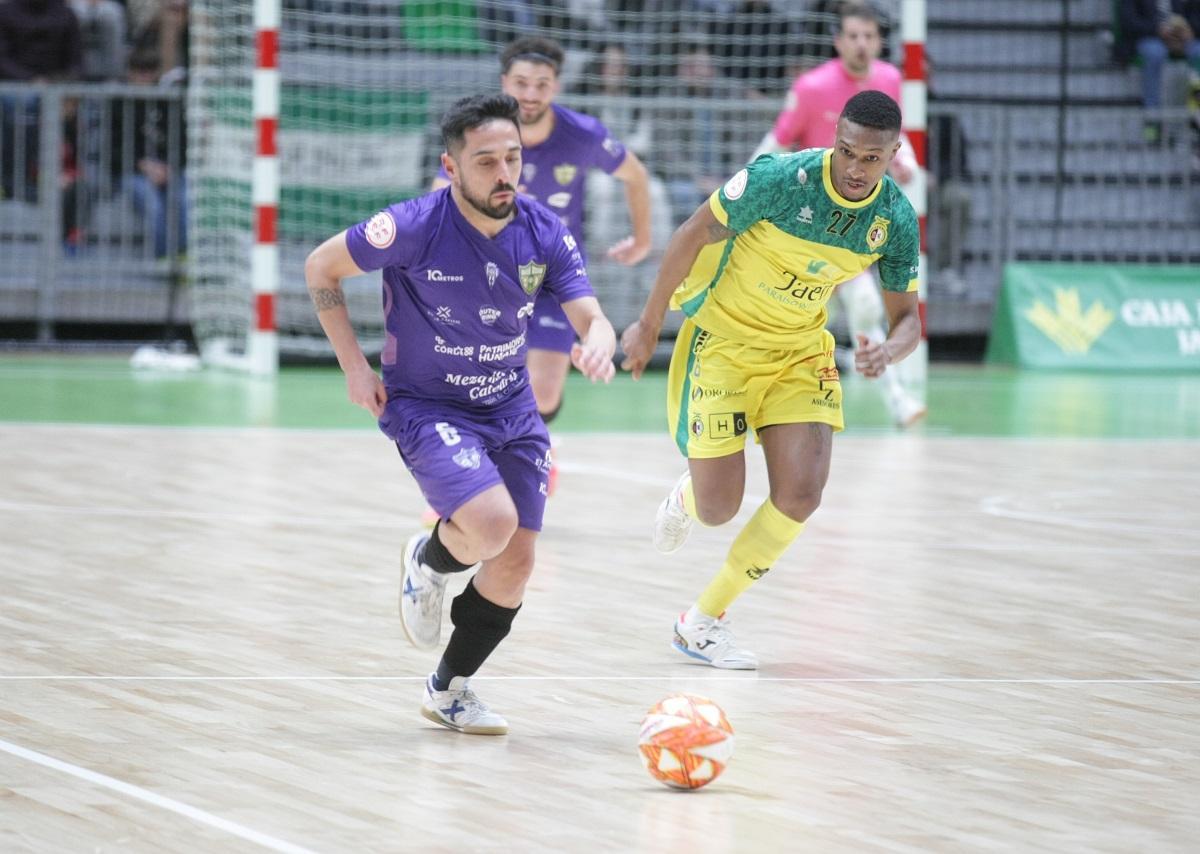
point(549, 328)
point(454, 457)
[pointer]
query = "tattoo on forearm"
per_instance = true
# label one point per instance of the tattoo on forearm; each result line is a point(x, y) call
point(326, 298)
point(718, 233)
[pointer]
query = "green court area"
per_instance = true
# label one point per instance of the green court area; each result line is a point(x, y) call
point(965, 400)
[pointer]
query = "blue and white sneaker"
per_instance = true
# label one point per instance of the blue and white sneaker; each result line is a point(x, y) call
point(460, 709)
point(421, 593)
point(710, 640)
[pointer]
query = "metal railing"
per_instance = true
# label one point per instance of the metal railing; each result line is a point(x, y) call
point(93, 202)
point(89, 238)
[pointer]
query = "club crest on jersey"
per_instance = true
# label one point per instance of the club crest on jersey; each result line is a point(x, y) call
point(877, 234)
point(531, 276)
point(564, 173)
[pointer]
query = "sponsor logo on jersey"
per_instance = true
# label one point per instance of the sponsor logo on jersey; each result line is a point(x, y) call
point(528, 171)
point(483, 386)
point(492, 272)
point(877, 234)
point(569, 242)
point(558, 200)
point(444, 315)
point(380, 230)
point(438, 276)
point(531, 275)
point(726, 425)
point(489, 314)
point(503, 351)
point(609, 145)
point(564, 173)
point(468, 458)
point(440, 346)
point(802, 176)
point(700, 393)
point(736, 185)
point(697, 426)
point(805, 215)
point(525, 311)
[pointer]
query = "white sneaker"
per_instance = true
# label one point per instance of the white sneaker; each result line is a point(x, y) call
point(421, 593)
point(672, 522)
point(712, 642)
point(906, 410)
point(458, 708)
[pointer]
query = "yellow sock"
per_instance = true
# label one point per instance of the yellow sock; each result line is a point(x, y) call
point(765, 537)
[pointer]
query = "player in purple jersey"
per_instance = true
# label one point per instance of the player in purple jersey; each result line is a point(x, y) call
point(462, 267)
point(559, 147)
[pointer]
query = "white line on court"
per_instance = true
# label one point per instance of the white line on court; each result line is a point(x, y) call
point(149, 797)
point(816, 680)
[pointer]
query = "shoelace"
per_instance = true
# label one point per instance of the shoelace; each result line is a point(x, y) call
point(677, 517)
point(472, 703)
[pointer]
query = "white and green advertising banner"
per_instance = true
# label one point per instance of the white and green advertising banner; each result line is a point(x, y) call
point(1102, 317)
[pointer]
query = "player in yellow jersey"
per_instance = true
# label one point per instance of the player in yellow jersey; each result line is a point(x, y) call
point(753, 269)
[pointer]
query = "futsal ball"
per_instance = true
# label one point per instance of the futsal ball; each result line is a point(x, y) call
point(686, 741)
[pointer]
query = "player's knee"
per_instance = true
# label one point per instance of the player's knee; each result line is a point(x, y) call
point(717, 510)
point(797, 501)
point(491, 531)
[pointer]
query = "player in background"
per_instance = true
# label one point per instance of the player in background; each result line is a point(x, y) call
point(809, 120)
point(559, 147)
point(462, 267)
point(753, 269)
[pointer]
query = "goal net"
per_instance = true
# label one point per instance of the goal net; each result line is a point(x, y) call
point(691, 87)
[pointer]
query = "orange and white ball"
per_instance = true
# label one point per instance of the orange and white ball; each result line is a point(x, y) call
point(686, 741)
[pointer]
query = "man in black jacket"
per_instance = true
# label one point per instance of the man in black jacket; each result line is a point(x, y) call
point(39, 42)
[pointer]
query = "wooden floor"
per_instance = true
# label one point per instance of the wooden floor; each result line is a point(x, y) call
point(977, 645)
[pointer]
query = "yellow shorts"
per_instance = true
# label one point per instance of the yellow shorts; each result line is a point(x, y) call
point(718, 388)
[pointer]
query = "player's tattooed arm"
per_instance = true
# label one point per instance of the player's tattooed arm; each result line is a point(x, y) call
point(326, 298)
point(718, 233)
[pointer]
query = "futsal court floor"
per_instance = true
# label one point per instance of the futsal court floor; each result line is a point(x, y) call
point(987, 639)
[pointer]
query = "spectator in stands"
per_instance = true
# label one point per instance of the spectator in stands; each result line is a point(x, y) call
point(1154, 31)
point(691, 134)
point(102, 34)
point(165, 35)
point(608, 74)
point(756, 46)
point(143, 163)
point(39, 42)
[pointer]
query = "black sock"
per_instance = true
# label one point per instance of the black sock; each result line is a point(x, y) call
point(547, 417)
point(437, 557)
point(479, 626)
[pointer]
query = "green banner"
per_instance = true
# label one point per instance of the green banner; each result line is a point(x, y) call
point(1110, 317)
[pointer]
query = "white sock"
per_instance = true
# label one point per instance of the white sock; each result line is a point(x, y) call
point(696, 617)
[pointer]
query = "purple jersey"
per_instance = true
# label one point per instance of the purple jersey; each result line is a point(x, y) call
point(457, 303)
point(555, 171)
